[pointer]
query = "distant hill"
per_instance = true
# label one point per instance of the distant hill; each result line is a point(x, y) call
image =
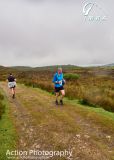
point(50, 68)
point(22, 68)
point(110, 65)
point(15, 69)
point(2, 67)
point(53, 68)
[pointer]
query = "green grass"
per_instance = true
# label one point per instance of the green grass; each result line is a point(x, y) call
point(7, 132)
point(2, 106)
point(59, 125)
point(70, 76)
point(98, 109)
point(98, 115)
point(84, 108)
point(75, 102)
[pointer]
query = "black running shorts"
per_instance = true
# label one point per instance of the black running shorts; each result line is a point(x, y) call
point(58, 89)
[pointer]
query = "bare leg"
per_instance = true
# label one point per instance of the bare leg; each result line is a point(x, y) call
point(57, 95)
point(13, 92)
point(62, 95)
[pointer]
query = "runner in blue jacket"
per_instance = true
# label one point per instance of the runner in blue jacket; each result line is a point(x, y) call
point(59, 82)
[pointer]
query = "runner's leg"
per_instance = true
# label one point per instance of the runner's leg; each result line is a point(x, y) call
point(13, 92)
point(62, 95)
point(57, 95)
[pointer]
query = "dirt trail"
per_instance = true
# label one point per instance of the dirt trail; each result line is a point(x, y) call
point(41, 125)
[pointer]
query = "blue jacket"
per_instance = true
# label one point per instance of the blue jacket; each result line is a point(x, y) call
point(58, 78)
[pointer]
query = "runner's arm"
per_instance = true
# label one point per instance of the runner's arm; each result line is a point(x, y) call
point(55, 79)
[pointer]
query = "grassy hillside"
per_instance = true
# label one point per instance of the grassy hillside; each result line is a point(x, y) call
point(91, 85)
point(8, 136)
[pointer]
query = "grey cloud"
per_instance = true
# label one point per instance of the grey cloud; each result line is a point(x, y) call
point(35, 32)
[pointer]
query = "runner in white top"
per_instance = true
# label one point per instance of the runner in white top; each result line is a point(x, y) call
point(12, 84)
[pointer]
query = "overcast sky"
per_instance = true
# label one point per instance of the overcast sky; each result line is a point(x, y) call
point(50, 32)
